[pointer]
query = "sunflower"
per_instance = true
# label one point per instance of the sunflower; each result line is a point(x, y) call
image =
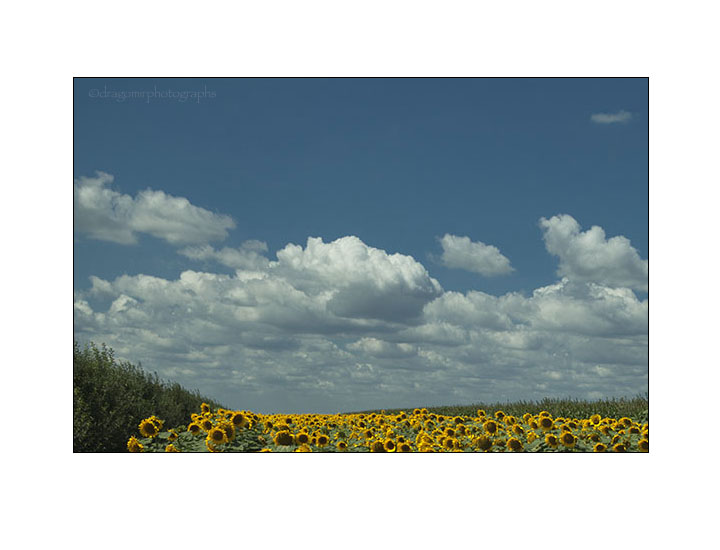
point(552, 441)
point(155, 420)
point(389, 445)
point(619, 448)
point(239, 420)
point(302, 438)
point(568, 439)
point(545, 423)
point(423, 438)
point(483, 442)
point(134, 446)
point(377, 447)
point(303, 449)
point(450, 443)
point(544, 413)
point(284, 438)
point(205, 408)
point(194, 428)
point(229, 430)
point(171, 449)
point(342, 446)
point(499, 415)
point(217, 436)
point(173, 435)
point(595, 419)
point(322, 440)
point(604, 429)
point(490, 427)
point(599, 448)
point(404, 447)
point(148, 428)
point(531, 436)
point(515, 445)
point(206, 424)
point(481, 413)
point(644, 446)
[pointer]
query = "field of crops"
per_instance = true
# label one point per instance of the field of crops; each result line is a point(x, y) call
point(418, 430)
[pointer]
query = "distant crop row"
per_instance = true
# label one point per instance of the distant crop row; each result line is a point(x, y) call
point(419, 430)
point(635, 408)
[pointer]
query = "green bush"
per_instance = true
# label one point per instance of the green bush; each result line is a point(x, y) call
point(110, 399)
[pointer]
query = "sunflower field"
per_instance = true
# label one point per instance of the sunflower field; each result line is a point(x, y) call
point(417, 431)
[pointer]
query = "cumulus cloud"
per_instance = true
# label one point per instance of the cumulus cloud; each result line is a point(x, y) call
point(472, 309)
point(363, 282)
point(589, 257)
point(478, 257)
point(343, 326)
point(578, 308)
point(246, 257)
point(379, 348)
point(611, 118)
point(104, 214)
point(588, 309)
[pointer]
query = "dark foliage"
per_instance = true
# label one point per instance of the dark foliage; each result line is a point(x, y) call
point(110, 399)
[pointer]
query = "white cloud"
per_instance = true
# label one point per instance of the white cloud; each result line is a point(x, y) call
point(107, 215)
point(588, 309)
point(611, 118)
point(343, 326)
point(380, 348)
point(589, 257)
point(247, 257)
point(365, 282)
point(472, 309)
point(478, 257)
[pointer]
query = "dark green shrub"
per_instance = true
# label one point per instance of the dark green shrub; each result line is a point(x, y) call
point(110, 399)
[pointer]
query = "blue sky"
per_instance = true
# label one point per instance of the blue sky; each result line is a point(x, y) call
point(472, 239)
